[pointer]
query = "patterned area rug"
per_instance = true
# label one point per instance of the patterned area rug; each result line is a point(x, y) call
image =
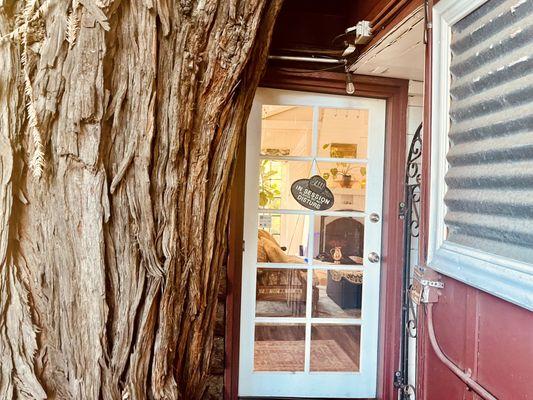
point(278, 355)
point(326, 308)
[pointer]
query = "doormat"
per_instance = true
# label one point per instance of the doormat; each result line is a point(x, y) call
point(280, 355)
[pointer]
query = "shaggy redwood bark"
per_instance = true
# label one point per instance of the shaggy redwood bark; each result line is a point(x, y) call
point(109, 260)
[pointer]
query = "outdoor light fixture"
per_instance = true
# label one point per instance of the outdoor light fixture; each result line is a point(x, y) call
point(350, 87)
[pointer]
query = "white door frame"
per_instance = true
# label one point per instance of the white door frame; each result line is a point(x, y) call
point(313, 384)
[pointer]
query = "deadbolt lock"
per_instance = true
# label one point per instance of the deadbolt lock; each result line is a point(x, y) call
point(374, 217)
point(373, 257)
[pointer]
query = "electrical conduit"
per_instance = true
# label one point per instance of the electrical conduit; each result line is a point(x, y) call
point(472, 384)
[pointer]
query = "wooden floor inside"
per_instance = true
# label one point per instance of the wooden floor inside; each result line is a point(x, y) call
point(282, 347)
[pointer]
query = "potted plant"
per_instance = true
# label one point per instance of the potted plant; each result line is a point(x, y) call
point(342, 172)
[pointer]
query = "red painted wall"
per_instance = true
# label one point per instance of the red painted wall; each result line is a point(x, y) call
point(477, 331)
point(481, 333)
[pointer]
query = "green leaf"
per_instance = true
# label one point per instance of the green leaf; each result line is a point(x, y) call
point(263, 199)
point(269, 174)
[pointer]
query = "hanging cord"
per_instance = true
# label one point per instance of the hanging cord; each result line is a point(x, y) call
point(310, 71)
point(472, 384)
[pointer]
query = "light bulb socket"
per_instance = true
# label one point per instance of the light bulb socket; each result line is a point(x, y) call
point(350, 87)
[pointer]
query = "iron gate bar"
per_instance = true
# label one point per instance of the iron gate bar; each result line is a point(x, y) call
point(409, 212)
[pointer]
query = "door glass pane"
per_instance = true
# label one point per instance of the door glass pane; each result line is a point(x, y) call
point(347, 182)
point(342, 133)
point(281, 292)
point(279, 347)
point(286, 130)
point(335, 347)
point(275, 180)
point(338, 294)
point(338, 240)
point(282, 238)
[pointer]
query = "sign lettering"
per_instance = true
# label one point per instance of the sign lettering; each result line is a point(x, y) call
point(313, 193)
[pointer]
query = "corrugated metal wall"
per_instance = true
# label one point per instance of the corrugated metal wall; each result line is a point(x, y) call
point(490, 178)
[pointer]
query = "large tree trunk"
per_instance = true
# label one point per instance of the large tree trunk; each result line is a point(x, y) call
point(119, 126)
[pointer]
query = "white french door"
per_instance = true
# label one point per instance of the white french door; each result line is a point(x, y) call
point(310, 280)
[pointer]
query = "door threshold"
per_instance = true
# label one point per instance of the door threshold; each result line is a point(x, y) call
point(304, 398)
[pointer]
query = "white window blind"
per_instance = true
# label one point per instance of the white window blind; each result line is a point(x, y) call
point(482, 200)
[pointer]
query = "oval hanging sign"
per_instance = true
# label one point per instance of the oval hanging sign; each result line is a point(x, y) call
point(313, 193)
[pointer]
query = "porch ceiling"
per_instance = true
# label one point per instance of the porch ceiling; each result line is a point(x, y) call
point(315, 28)
point(399, 54)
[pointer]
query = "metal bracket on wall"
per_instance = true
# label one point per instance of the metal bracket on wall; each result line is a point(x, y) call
point(435, 284)
point(426, 283)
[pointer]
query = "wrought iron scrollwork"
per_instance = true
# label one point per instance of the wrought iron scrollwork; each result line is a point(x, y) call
point(412, 321)
point(410, 212)
point(412, 181)
point(414, 157)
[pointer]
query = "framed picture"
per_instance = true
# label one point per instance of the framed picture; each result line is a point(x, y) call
point(343, 150)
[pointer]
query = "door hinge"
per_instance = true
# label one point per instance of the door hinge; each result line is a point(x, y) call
point(402, 386)
point(398, 380)
point(402, 210)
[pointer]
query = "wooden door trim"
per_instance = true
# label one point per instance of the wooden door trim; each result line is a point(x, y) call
point(395, 92)
point(234, 278)
point(422, 338)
